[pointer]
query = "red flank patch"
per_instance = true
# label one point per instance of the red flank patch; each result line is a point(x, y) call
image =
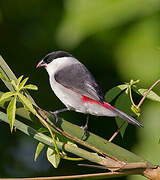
point(104, 104)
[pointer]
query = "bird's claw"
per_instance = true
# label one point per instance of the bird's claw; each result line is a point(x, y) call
point(84, 130)
point(55, 115)
point(58, 111)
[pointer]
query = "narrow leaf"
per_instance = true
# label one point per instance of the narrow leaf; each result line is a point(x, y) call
point(23, 83)
point(19, 80)
point(11, 110)
point(14, 84)
point(43, 130)
point(39, 148)
point(5, 96)
point(2, 76)
point(7, 73)
point(30, 86)
point(132, 82)
point(53, 157)
point(152, 95)
point(26, 103)
point(114, 92)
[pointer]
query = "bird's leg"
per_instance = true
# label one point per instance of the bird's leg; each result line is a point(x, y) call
point(58, 111)
point(85, 127)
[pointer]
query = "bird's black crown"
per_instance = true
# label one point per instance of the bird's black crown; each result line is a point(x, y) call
point(54, 55)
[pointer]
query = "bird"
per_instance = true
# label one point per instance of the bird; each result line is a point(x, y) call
point(77, 89)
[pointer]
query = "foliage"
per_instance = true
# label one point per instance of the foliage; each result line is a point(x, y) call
point(17, 93)
point(110, 161)
point(123, 93)
point(117, 40)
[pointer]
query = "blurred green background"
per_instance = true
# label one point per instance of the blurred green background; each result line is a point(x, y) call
point(117, 40)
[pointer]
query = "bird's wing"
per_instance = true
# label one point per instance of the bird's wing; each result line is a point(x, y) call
point(77, 78)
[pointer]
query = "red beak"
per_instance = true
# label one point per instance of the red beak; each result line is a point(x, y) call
point(41, 63)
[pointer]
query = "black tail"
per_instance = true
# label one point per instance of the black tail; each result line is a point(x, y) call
point(127, 118)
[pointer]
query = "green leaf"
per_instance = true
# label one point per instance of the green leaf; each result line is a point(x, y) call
point(7, 72)
point(123, 103)
point(152, 95)
point(43, 130)
point(5, 96)
point(2, 76)
point(39, 148)
point(27, 104)
point(114, 92)
point(23, 83)
point(19, 80)
point(133, 82)
point(53, 157)
point(30, 86)
point(14, 84)
point(11, 110)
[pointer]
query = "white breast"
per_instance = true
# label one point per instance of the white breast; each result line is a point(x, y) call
point(67, 96)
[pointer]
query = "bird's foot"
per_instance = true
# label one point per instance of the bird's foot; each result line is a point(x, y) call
point(84, 130)
point(58, 111)
point(55, 115)
point(85, 127)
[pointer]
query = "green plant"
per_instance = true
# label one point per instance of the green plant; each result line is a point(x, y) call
point(65, 137)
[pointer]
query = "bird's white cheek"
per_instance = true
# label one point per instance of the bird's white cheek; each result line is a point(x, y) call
point(50, 69)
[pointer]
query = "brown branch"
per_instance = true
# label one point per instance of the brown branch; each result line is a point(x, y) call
point(153, 174)
point(115, 134)
point(94, 176)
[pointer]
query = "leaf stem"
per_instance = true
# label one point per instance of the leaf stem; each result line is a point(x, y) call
point(51, 133)
point(130, 94)
point(71, 159)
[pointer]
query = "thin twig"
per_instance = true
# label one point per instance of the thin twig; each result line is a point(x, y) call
point(50, 131)
point(118, 130)
point(115, 133)
point(148, 91)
